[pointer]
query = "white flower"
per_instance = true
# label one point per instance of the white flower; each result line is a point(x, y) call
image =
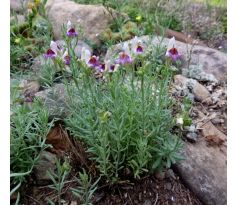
point(179, 121)
point(85, 55)
point(54, 46)
point(126, 48)
point(69, 25)
point(136, 46)
point(171, 44)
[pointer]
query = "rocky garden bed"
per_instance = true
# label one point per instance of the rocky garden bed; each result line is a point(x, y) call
point(105, 109)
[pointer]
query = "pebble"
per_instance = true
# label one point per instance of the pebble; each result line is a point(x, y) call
point(170, 174)
point(160, 175)
point(147, 202)
point(168, 186)
point(192, 137)
point(216, 121)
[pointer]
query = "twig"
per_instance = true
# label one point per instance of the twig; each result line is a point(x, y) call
point(156, 199)
point(33, 199)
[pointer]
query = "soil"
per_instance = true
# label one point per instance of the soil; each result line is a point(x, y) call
point(156, 189)
point(146, 191)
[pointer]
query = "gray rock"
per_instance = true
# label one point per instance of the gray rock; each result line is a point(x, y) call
point(18, 5)
point(47, 162)
point(19, 19)
point(170, 174)
point(204, 172)
point(147, 202)
point(29, 88)
point(192, 137)
point(55, 99)
point(187, 86)
point(207, 64)
point(197, 72)
point(93, 19)
point(38, 63)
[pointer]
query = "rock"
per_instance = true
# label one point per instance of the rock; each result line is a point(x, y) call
point(147, 202)
point(192, 137)
point(212, 134)
point(55, 99)
point(18, 5)
point(209, 131)
point(187, 85)
point(168, 186)
point(216, 121)
point(29, 88)
point(93, 19)
point(170, 174)
point(197, 72)
point(38, 63)
point(19, 19)
point(204, 172)
point(160, 175)
point(202, 59)
point(200, 92)
point(47, 162)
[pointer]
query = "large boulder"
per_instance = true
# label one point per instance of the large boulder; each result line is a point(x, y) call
point(93, 19)
point(201, 63)
point(204, 172)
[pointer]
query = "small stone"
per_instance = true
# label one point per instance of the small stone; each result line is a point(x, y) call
point(192, 137)
point(136, 201)
point(168, 186)
point(47, 162)
point(147, 202)
point(160, 175)
point(216, 121)
point(172, 198)
point(192, 128)
point(170, 174)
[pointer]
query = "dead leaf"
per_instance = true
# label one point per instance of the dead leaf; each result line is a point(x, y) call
point(214, 140)
point(57, 137)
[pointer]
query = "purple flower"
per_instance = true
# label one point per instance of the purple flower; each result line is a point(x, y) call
point(137, 47)
point(52, 51)
point(67, 60)
point(102, 67)
point(172, 52)
point(50, 54)
point(112, 68)
point(71, 30)
point(94, 62)
point(123, 59)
